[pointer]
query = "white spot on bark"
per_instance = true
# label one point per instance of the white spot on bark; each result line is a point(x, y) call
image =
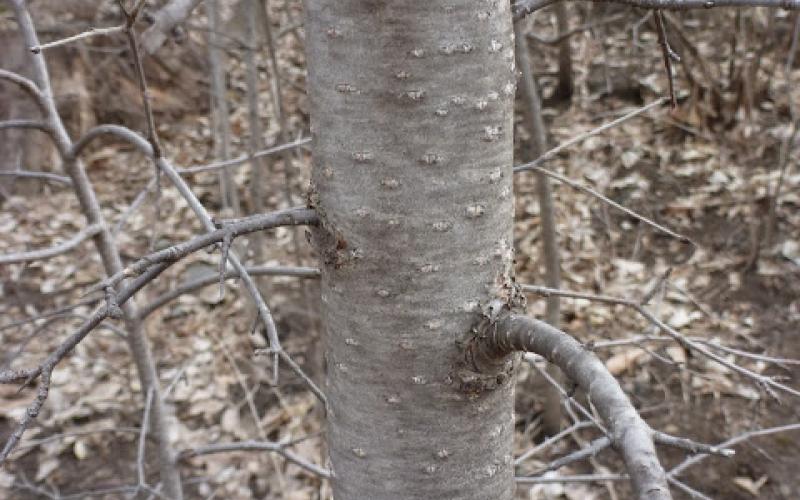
point(359, 452)
point(393, 399)
point(510, 88)
point(418, 53)
point(418, 380)
point(458, 100)
point(475, 211)
point(363, 156)
point(414, 95)
point(490, 470)
point(481, 104)
point(434, 324)
point(346, 88)
point(495, 176)
point(442, 454)
point(442, 226)
point(383, 293)
point(327, 172)
point(333, 32)
point(495, 46)
point(441, 112)
point(429, 268)
point(431, 159)
point(470, 306)
point(390, 183)
point(491, 133)
point(431, 469)
point(351, 341)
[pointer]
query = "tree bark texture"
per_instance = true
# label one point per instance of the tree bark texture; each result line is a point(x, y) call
point(412, 108)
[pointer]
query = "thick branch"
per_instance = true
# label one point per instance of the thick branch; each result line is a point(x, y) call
point(289, 217)
point(510, 333)
point(47, 253)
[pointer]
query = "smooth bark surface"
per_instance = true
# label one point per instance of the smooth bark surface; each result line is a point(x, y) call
point(412, 106)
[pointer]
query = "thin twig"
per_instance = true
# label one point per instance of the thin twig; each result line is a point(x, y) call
point(55, 250)
point(80, 36)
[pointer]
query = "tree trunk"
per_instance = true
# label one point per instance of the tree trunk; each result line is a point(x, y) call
point(412, 106)
point(566, 83)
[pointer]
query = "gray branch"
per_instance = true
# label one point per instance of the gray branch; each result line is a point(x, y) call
point(48, 253)
point(271, 446)
point(298, 272)
point(509, 333)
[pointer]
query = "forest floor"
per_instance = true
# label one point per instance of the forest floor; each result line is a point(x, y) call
point(705, 169)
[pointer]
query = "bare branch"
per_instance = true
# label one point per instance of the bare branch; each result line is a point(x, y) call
point(142, 435)
point(535, 165)
point(25, 124)
point(185, 191)
point(668, 55)
point(298, 272)
point(768, 383)
point(28, 86)
point(240, 160)
point(578, 478)
point(578, 29)
point(80, 36)
point(271, 446)
point(690, 461)
point(48, 253)
point(522, 8)
point(507, 333)
point(29, 174)
point(45, 369)
point(170, 255)
point(551, 440)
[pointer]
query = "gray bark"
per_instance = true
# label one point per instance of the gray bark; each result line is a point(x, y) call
point(412, 106)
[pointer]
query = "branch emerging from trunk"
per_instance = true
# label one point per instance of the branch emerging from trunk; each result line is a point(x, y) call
point(507, 333)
